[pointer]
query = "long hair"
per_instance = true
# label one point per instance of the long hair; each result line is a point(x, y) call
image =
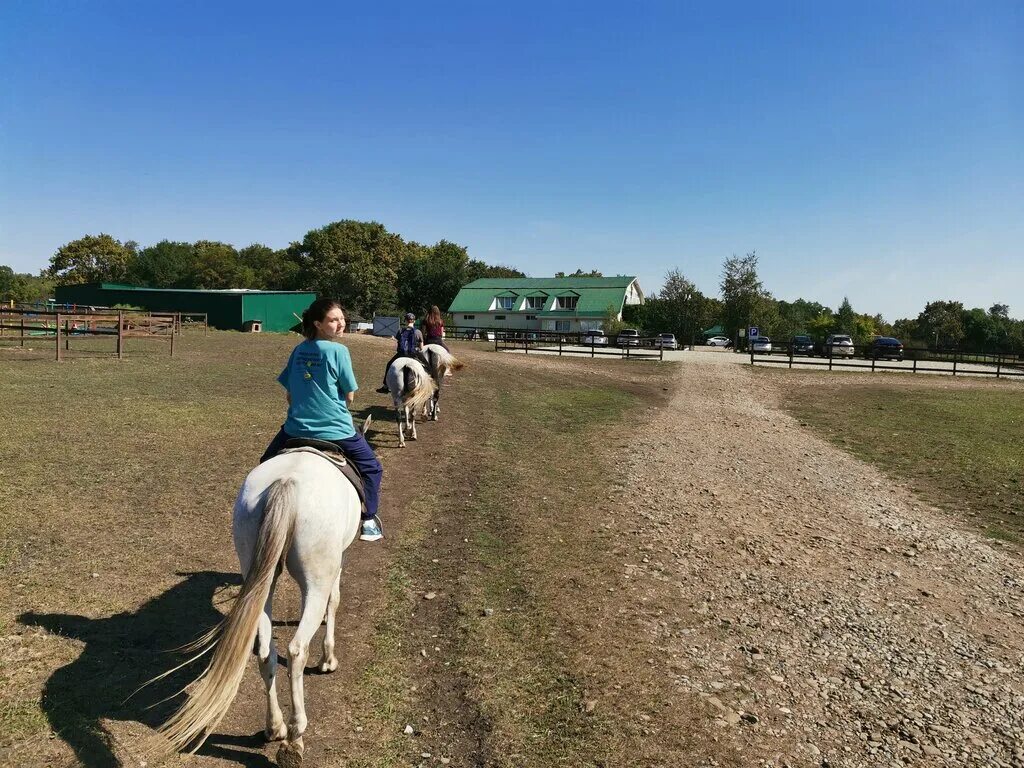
point(433, 318)
point(315, 313)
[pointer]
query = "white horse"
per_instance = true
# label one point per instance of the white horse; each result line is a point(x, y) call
point(441, 361)
point(411, 389)
point(298, 511)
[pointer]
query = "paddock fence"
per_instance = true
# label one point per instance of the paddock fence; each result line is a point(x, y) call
point(910, 359)
point(39, 328)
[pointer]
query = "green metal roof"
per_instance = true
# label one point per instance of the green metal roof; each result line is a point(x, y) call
point(596, 294)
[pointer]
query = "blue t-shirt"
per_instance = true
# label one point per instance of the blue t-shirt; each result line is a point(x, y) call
point(318, 375)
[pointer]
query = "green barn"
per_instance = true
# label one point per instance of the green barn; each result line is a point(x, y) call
point(228, 310)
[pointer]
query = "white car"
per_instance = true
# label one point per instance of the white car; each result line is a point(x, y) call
point(718, 341)
point(628, 337)
point(761, 344)
point(594, 338)
point(665, 341)
point(839, 345)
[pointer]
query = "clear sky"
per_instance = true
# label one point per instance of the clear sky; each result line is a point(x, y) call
point(874, 150)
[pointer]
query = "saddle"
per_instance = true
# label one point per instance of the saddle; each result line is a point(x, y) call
point(333, 454)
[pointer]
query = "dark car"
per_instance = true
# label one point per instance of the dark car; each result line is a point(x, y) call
point(884, 347)
point(803, 345)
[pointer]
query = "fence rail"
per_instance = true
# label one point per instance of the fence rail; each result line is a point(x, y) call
point(554, 342)
point(909, 359)
point(19, 326)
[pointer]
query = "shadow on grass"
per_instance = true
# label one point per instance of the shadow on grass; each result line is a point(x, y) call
point(121, 653)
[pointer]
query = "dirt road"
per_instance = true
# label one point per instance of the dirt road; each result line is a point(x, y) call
point(826, 614)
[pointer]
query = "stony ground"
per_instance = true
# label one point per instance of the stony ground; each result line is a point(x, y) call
point(739, 593)
point(827, 616)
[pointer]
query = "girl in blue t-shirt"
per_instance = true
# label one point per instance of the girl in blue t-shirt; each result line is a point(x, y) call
point(321, 386)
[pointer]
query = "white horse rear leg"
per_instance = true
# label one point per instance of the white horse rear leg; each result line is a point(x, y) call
point(329, 662)
point(314, 603)
point(401, 427)
point(266, 653)
point(410, 419)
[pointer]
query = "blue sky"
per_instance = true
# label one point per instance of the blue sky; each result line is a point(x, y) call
point(874, 150)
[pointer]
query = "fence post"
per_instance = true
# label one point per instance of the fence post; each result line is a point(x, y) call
point(559, 346)
point(791, 354)
point(172, 337)
point(830, 358)
point(999, 363)
point(23, 330)
point(956, 354)
point(661, 353)
point(67, 334)
point(57, 331)
point(120, 334)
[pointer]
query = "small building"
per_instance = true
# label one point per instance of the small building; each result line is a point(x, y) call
point(233, 309)
point(561, 304)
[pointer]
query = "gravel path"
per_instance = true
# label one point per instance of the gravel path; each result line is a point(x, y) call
point(833, 619)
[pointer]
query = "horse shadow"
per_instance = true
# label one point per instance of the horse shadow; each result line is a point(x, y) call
point(121, 653)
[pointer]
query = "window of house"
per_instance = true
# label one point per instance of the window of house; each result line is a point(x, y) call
point(505, 302)
point(469, 317)
point(535, 302)
point(499, 317)
point(531, 317)
point(567, 302)
point(562, 326)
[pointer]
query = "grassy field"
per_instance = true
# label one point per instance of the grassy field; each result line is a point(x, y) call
point(959, 445)
point(119, 477)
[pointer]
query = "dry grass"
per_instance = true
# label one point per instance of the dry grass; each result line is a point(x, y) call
point(127, 470)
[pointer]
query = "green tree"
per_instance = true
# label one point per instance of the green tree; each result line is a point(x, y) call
point(23, 288)
point(356, 262)
point(272, 270)
point(92, 259)
point(941, 323)
point(164, 265)
point(743, 295)
point(216, 265)
point(845, 317)
point(580, 273)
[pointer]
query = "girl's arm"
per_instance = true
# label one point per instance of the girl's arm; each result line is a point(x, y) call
point(349, 397)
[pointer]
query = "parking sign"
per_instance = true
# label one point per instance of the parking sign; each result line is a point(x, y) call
point(754, 332)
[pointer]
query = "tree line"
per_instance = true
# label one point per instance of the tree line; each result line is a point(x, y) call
point(366, 267)
point(680, 308)
point(374, 271)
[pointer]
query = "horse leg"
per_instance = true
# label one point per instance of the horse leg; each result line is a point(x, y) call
point(266, 654)
point(314, 604)
point(401, 427)
point(410, 417)
point(329, 662)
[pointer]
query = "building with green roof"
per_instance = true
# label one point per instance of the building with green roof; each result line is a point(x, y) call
point(562, 304)
point(231, 309)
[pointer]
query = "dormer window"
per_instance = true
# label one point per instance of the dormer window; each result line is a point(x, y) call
point(535, 302)
point(506, 302)
point(567, 302)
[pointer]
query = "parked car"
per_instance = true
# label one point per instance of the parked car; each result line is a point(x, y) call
point(761, 344)
point(628, 337)
point(665, 341)
point(884, 347)
point(719, 341)
point(838, 345)
point(594, 338)
point(803, 345)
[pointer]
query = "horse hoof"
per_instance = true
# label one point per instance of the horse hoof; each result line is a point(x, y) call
point(289, 756)
point(329, 666)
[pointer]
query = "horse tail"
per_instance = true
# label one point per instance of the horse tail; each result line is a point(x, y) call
point(232, 639)
point(446, 359)
point(422, 389)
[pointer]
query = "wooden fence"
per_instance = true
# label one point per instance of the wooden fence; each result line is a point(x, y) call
point(19, 326)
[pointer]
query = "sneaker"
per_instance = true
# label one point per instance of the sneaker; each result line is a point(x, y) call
point(382, 390)
point(371, 530)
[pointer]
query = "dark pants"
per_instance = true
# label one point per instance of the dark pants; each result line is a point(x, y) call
point(418, 356)
point(436, 340)
point(358, 452)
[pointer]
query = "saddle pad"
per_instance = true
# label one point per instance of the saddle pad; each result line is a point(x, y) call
point(338, 460)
